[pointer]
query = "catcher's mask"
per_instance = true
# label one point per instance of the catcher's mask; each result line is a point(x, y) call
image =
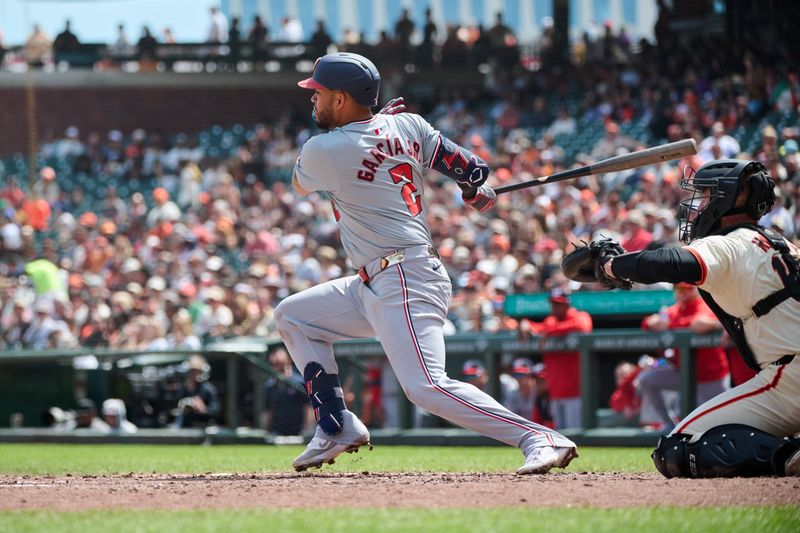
point(715, 187)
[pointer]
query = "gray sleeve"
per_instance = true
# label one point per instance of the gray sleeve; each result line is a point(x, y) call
point(314, 169)
point(429, 137)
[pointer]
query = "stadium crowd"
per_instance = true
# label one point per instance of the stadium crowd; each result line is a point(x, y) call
point(206, 244)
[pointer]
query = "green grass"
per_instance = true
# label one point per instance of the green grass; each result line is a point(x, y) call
point(55, 459)
point(662, 519)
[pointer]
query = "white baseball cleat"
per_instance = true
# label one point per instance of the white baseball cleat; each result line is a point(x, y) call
point(324, 448)
point(540, 460)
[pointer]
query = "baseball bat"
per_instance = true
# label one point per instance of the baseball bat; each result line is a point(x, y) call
point(640, 158)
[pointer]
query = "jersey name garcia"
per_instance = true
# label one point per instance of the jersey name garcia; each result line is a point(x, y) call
point(737, 270)
point(373, 172)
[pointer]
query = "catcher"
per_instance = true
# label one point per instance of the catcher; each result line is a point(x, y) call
point(750, 277)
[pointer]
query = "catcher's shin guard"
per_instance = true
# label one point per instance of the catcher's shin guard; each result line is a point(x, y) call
point(786, 459)
point(729, 450)
point(326, 397)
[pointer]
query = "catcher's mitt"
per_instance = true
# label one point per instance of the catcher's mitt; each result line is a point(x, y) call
point(585, 263)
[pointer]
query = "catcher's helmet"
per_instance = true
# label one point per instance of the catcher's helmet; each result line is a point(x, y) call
point(724, 179)
point(347, 72)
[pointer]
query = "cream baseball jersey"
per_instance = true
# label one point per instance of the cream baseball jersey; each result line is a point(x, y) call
point(372, 170)
point(745, 255)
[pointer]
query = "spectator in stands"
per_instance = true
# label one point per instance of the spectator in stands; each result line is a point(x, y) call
point(425, 51)
point(613, 141)
point(147, 46)
point(403, 30)
point(234, 39)
point(10, 232)
point(320, 40)
point(65, 42)
point(46, 186)
point(198, 401)
point(768, 151)
point(182, 336)
point(287, 409)
point(636, 236)
point(122, 46)
point(564, 124)
point(712, 371)
point(38, 47)
point(115, 415)
point(453, 51)
point(163, 210)
point(12, 193)
point(291, 31)
point(218, 27)
point(258, 37)
point(15, 322)
point(503, 43)
point(563, 368)
point(728, 147)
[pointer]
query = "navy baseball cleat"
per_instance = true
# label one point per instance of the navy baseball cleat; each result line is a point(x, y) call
point(324, 448)
point(540, 460)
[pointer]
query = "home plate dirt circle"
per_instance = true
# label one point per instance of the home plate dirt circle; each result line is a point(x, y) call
point(385, 490)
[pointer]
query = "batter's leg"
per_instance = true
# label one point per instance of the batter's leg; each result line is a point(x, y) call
point(309, 323)
point(406, 306)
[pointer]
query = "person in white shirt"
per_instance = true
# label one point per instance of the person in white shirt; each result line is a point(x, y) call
point(218, 31)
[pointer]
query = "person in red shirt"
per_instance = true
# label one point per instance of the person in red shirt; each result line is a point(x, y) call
point(625, 399)
point(636, 237)
point(37, 212)
point(563, 368)
point(712, 370)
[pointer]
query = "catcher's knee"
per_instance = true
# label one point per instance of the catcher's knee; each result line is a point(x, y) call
point(784, 462)
point(724, 451)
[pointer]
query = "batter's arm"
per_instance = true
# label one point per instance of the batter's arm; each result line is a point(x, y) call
point(673, 265)
point(297, 188)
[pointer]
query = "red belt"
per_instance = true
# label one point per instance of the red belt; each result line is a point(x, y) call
point(392, 259)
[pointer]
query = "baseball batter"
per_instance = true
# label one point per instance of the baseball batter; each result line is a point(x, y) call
point(750, 278)
point(372, 167)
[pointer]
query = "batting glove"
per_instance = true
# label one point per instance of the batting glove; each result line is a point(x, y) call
point(482, 198)
point(393, 106)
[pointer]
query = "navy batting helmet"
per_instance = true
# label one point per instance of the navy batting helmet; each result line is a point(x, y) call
point(347, 72)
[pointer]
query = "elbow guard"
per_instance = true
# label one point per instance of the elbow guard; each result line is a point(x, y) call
point(673, 265)
point(458, 163)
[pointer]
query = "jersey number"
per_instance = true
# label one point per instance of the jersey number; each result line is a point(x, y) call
point(403, 173)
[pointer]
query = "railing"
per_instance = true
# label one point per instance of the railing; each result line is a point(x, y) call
point(490, 348)
point(99, 55)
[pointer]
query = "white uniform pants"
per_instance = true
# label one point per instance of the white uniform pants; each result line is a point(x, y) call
point(405, 306)
point(769, 401)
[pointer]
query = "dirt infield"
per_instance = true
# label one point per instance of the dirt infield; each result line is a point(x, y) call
point(419, 490)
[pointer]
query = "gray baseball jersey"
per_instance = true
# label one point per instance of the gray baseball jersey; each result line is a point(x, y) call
point(373, 170)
